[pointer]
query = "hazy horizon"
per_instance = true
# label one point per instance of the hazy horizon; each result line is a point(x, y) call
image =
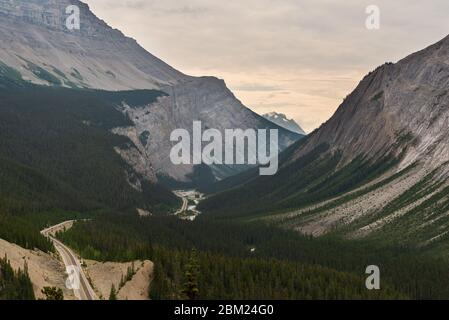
point(300, 58)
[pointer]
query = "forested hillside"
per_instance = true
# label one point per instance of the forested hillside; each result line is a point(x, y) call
point(257, 261)
point(310, 179)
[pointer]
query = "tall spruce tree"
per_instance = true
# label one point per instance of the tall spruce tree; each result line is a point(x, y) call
point(191, 277)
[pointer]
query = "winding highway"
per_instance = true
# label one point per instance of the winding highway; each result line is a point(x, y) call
point(84, 290)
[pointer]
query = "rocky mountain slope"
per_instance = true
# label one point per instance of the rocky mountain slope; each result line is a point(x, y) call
point(281, 120)
point(36, 45)
point(36, 42)
point(378, 167)
point(405, 100)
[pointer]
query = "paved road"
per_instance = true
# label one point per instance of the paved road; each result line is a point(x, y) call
point(85, 290)
point(185, 203)
point(58, 227)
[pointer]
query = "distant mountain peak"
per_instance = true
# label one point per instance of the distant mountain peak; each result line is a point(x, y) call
point(281, 120)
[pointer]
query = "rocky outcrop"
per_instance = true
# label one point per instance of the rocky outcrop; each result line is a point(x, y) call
point(399, 109)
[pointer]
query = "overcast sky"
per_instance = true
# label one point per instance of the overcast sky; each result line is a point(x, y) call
point(298, 57)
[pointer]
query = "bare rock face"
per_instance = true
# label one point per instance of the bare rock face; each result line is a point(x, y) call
point(36, 42)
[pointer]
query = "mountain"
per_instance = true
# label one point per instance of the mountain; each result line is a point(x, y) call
point(205, 99)
point(36, 42)
point(36, 45)
point(378, 168)
point(281, 120)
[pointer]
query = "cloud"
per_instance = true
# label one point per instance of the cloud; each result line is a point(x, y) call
point(256, 87)
point(187, 10)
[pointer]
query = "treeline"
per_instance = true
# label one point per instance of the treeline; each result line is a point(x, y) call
point(167, 241)
point(25, 229)
point(14, 285)
point(24, 233)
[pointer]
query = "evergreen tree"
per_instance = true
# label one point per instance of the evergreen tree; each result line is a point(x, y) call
point(191, 277)
point(113, 293)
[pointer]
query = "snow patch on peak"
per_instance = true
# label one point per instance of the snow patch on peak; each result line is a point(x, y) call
point(281, 120)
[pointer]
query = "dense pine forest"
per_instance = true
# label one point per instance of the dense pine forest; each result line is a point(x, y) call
point(227, 277)
point(233, 256)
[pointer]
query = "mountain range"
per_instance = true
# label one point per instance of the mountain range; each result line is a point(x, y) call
point(85, 123)
point(378, 165)
point(37, 47)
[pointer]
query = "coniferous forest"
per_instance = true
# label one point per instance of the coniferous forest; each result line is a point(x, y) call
point(250, 261)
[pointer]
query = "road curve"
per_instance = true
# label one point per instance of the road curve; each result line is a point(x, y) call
point(184, 203)
point(85, 290)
